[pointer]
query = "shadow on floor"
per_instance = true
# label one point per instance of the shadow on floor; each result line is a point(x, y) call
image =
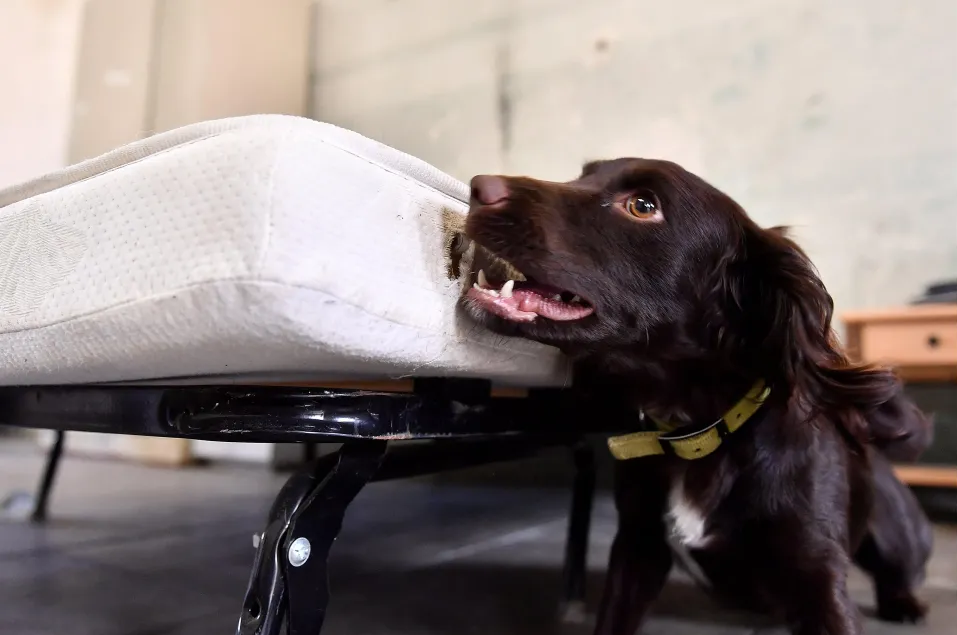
point(138, 551)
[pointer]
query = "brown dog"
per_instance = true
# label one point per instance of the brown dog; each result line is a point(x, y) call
point(671, 299)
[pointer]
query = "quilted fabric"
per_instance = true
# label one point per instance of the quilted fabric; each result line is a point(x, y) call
point(257, 247)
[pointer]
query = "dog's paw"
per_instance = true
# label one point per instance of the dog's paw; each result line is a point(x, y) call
point(574, 613)
point(903, 609)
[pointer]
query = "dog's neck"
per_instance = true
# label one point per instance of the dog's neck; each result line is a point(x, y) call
point(684, 392)
point(694, 399)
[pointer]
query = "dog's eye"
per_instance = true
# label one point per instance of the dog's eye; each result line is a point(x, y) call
point(643, 205)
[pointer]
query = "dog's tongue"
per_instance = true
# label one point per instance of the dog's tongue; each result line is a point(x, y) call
point(524, 305)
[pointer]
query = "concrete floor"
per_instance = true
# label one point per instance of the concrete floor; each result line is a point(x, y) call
point(139, 551)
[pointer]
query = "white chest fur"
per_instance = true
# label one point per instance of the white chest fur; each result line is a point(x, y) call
point(686, 522)
point(686, 530)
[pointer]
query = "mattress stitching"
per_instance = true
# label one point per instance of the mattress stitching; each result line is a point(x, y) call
point(270, 208)
point(113, 169)
point(393, 171)
point(153, 145)
point(219, 133)
point(253, 282)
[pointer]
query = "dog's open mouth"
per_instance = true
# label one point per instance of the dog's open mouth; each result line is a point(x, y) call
point(504, 291)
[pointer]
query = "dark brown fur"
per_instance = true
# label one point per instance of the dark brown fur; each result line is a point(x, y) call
point(689, 312)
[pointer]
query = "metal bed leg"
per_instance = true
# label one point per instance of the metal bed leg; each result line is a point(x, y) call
point(289, 582)
point(23, 505)
point(579, 523)
point(48, 479)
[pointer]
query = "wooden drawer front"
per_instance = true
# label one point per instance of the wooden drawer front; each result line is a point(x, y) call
point(921, 343)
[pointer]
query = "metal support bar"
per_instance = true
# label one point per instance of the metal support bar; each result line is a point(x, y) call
point(41, 505)
point(579, 523)
point(457, 424)
point(273, 414)
point(289, 582)
point(315, 527)
point(22, 505)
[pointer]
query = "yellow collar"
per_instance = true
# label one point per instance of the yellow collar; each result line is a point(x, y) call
point(689, 445)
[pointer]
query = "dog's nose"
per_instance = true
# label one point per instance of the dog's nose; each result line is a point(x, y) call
point(489, 190)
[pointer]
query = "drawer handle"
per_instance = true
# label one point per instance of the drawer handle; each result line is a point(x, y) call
point(933, 341)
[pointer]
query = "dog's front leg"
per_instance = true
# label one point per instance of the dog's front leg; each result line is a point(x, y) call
point(640, 556)
point(824, 606)
point(637, 571)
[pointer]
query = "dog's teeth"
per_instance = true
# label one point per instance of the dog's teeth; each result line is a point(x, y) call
point(482, 280)
point(485, 290)
point(576, 299)
point(557, 297)
point(507, 289)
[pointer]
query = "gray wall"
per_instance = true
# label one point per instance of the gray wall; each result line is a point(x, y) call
point(839, 118)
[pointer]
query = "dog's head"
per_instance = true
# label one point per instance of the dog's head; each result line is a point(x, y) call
point(648, 272)
point(643, 256)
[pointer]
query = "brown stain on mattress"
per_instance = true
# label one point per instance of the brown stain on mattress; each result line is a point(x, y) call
point(463, 256)
point(457, 246)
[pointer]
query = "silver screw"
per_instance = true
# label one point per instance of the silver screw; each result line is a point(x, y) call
point(257, 539)
point(299, 551)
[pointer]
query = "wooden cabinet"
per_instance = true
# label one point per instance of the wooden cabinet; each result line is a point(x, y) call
point(920, 343)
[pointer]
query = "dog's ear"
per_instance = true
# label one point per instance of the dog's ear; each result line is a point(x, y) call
point(770, 304)
point(777, 316)
point(784, 309)
point(900, 429)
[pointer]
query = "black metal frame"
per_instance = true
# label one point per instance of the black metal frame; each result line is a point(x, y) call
point(466, 424)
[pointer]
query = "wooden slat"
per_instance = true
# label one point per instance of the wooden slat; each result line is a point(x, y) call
point(927, 475)
point(397, 385)
point(157, 451)
point(927, 374)
point(915, 312)
point(388, 385)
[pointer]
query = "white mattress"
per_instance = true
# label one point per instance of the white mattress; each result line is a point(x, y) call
point(265, 247)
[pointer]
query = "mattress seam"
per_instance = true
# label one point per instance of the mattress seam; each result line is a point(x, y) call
point(393, 171)
point(113, 169)
point(270, 209)
point(152, 145)
point(264, 283)
point(218, 131)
